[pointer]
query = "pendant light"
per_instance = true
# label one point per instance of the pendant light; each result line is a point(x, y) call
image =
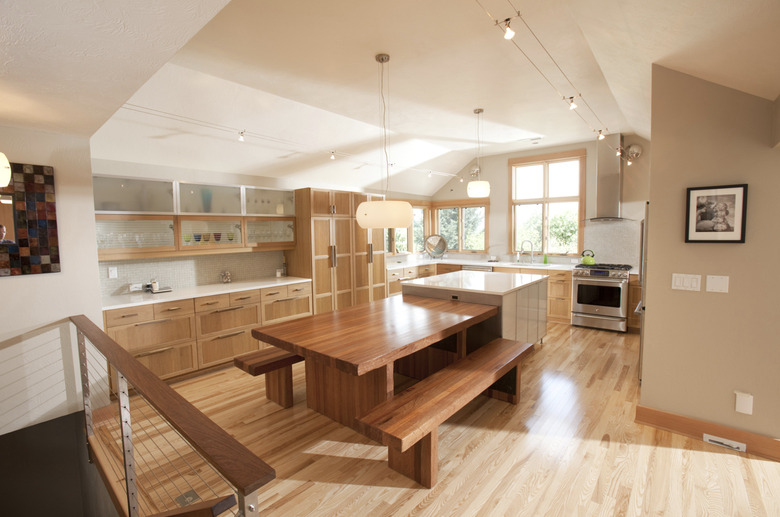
point(384, 214)
point(5, 171)
point(478, 187)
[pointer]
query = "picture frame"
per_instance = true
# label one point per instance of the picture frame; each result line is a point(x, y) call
point(716, 214)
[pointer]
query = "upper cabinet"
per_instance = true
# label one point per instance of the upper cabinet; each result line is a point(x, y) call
point(132, 195)
point(269, 202)
point(209, 199)
point(147, 218)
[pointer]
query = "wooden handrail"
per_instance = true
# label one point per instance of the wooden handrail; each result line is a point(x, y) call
point(245, 471)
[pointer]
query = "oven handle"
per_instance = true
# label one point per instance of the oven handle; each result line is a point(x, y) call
point(599, 281)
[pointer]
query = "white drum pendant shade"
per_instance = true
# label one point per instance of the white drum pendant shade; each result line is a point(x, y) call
point(384, 214)
point(480, 188)
point(5, 171)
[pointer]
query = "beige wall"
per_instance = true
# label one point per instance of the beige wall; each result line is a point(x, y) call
point(38, 366)
point(700, 346)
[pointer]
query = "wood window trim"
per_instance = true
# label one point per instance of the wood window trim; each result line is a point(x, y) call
point(580, 154)
point(460, 204)
point(427, 225)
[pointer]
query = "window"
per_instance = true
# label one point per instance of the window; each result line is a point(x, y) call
point(548, 202)
point(397, 239)
point(463, 224)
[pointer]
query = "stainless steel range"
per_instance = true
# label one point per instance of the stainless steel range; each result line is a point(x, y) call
point(600, 296)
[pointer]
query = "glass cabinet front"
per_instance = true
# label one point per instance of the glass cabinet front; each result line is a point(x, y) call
point(277, 232)
point(269, 202)
point(209, 199)
point(132, 195)
point(210, 232)
point(138, 233)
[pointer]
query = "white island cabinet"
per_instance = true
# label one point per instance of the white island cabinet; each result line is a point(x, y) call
point(521, 298)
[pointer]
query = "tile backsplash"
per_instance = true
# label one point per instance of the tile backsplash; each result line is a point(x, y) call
point(188, 271)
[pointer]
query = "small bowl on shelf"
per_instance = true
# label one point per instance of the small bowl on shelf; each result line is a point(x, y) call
point(197, 237)
point(206, 237)
point(217, 236)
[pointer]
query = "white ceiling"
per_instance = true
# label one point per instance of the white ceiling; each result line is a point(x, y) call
point(300, 77)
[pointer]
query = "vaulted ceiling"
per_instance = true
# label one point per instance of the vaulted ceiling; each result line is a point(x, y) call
point(172, 83)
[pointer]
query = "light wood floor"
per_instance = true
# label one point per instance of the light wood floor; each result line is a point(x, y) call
point(570, 447)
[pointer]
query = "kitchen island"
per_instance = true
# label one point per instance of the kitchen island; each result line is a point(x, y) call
point(521, 298)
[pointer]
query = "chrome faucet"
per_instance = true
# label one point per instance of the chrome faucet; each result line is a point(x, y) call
point(522, 249)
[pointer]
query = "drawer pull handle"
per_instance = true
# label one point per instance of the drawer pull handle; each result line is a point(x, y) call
point(298, 290)
point(211, 303)
point(243, 298)
point(129, 315)
point(231, 335)
point(153, 322)
point(285, 299)
point(229, 309)
point(152, 352)
point(171, 309)
point(274, 293)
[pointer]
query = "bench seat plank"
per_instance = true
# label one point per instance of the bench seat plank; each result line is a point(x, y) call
point(276, 364)
point(409, 416)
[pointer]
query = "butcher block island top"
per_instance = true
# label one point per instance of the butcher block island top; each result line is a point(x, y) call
point(365, 337)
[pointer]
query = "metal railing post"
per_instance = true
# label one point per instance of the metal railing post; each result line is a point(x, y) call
point(85, 392)
point(248, 504)
point(127, 446)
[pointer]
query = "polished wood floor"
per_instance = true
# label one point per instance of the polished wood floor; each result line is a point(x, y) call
point(570, 447)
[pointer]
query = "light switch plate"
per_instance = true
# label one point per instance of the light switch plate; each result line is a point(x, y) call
point(683, 282)
point(113, 272)
point(717, 284)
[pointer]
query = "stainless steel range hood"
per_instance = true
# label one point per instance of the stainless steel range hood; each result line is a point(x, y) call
point(609, 180)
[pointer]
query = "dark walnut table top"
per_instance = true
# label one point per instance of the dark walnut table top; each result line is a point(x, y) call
point(365, 337)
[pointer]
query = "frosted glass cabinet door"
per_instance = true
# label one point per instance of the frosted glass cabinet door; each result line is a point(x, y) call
point(209, 233)
point(270, 232)
point(132, 195)
point(117, 234)
point(269, 202)
point(209, 199)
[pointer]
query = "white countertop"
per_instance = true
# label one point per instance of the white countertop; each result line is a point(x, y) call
point(465, 262)
point(477, 281)
point(143, 298)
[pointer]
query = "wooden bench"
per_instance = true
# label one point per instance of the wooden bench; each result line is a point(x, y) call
point(408, 423)
point(276, 364)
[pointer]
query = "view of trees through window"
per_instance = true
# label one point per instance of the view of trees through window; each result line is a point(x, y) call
point(448, 226)
point(397, 239)
point(546, 206)
point(464, 228)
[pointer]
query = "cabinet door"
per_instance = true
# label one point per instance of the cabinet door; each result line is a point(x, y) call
point(138, 337)
point(363, 266)
point(169, 361)
point(322, 258)
point(344, 262)
point(224, 320)
point(128, 234)
point(269, 233)
point(321, 204)
point(209, 233)
point(221, 348)
point(342, 203)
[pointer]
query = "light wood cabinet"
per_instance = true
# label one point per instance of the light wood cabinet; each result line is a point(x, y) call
point(182, 336)
point(324, 251)
point(396, 275)
point(446, 268)
point(558, 291)
point(369, 250)
point(130, 235)
point(634, 297)
point(426, 270)
point(162, 342)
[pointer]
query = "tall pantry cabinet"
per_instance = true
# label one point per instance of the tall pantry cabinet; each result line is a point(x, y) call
point(344, 261)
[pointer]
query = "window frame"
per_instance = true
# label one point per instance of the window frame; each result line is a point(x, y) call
point(390, 236)
point(460, 204)
point(545, 160)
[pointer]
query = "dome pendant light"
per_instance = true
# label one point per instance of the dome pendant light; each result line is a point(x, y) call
point(384, 214)
point(478, 187)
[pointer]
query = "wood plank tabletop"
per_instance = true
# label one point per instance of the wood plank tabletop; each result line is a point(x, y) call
point(365, 337)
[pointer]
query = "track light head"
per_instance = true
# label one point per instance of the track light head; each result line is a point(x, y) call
point(508, 32)
point(241, 135)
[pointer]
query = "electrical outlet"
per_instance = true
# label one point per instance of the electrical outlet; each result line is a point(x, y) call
point(136, 287)
point(723, 442)
point(113, 272)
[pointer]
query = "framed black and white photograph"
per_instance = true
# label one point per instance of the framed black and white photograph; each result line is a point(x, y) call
point(716, 214)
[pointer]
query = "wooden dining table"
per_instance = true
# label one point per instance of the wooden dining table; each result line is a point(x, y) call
point(349, 353)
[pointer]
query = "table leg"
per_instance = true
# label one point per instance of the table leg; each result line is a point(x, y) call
point(343, 396)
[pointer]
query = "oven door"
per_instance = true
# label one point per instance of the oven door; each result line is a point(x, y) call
point(600, 296)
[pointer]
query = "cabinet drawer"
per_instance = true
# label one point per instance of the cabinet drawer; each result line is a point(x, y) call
point(223, 347)
point(149, 334)
point(169, 361)
point(222, 320)
point(303, 289)
point(209, 303)
point(176, 308)
point(410, 272)
point(117, 317)
point(423, 271)
point(394, 274)
point(275, 311)
point(273, 293)
point(245, 297)
point(446, 268)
